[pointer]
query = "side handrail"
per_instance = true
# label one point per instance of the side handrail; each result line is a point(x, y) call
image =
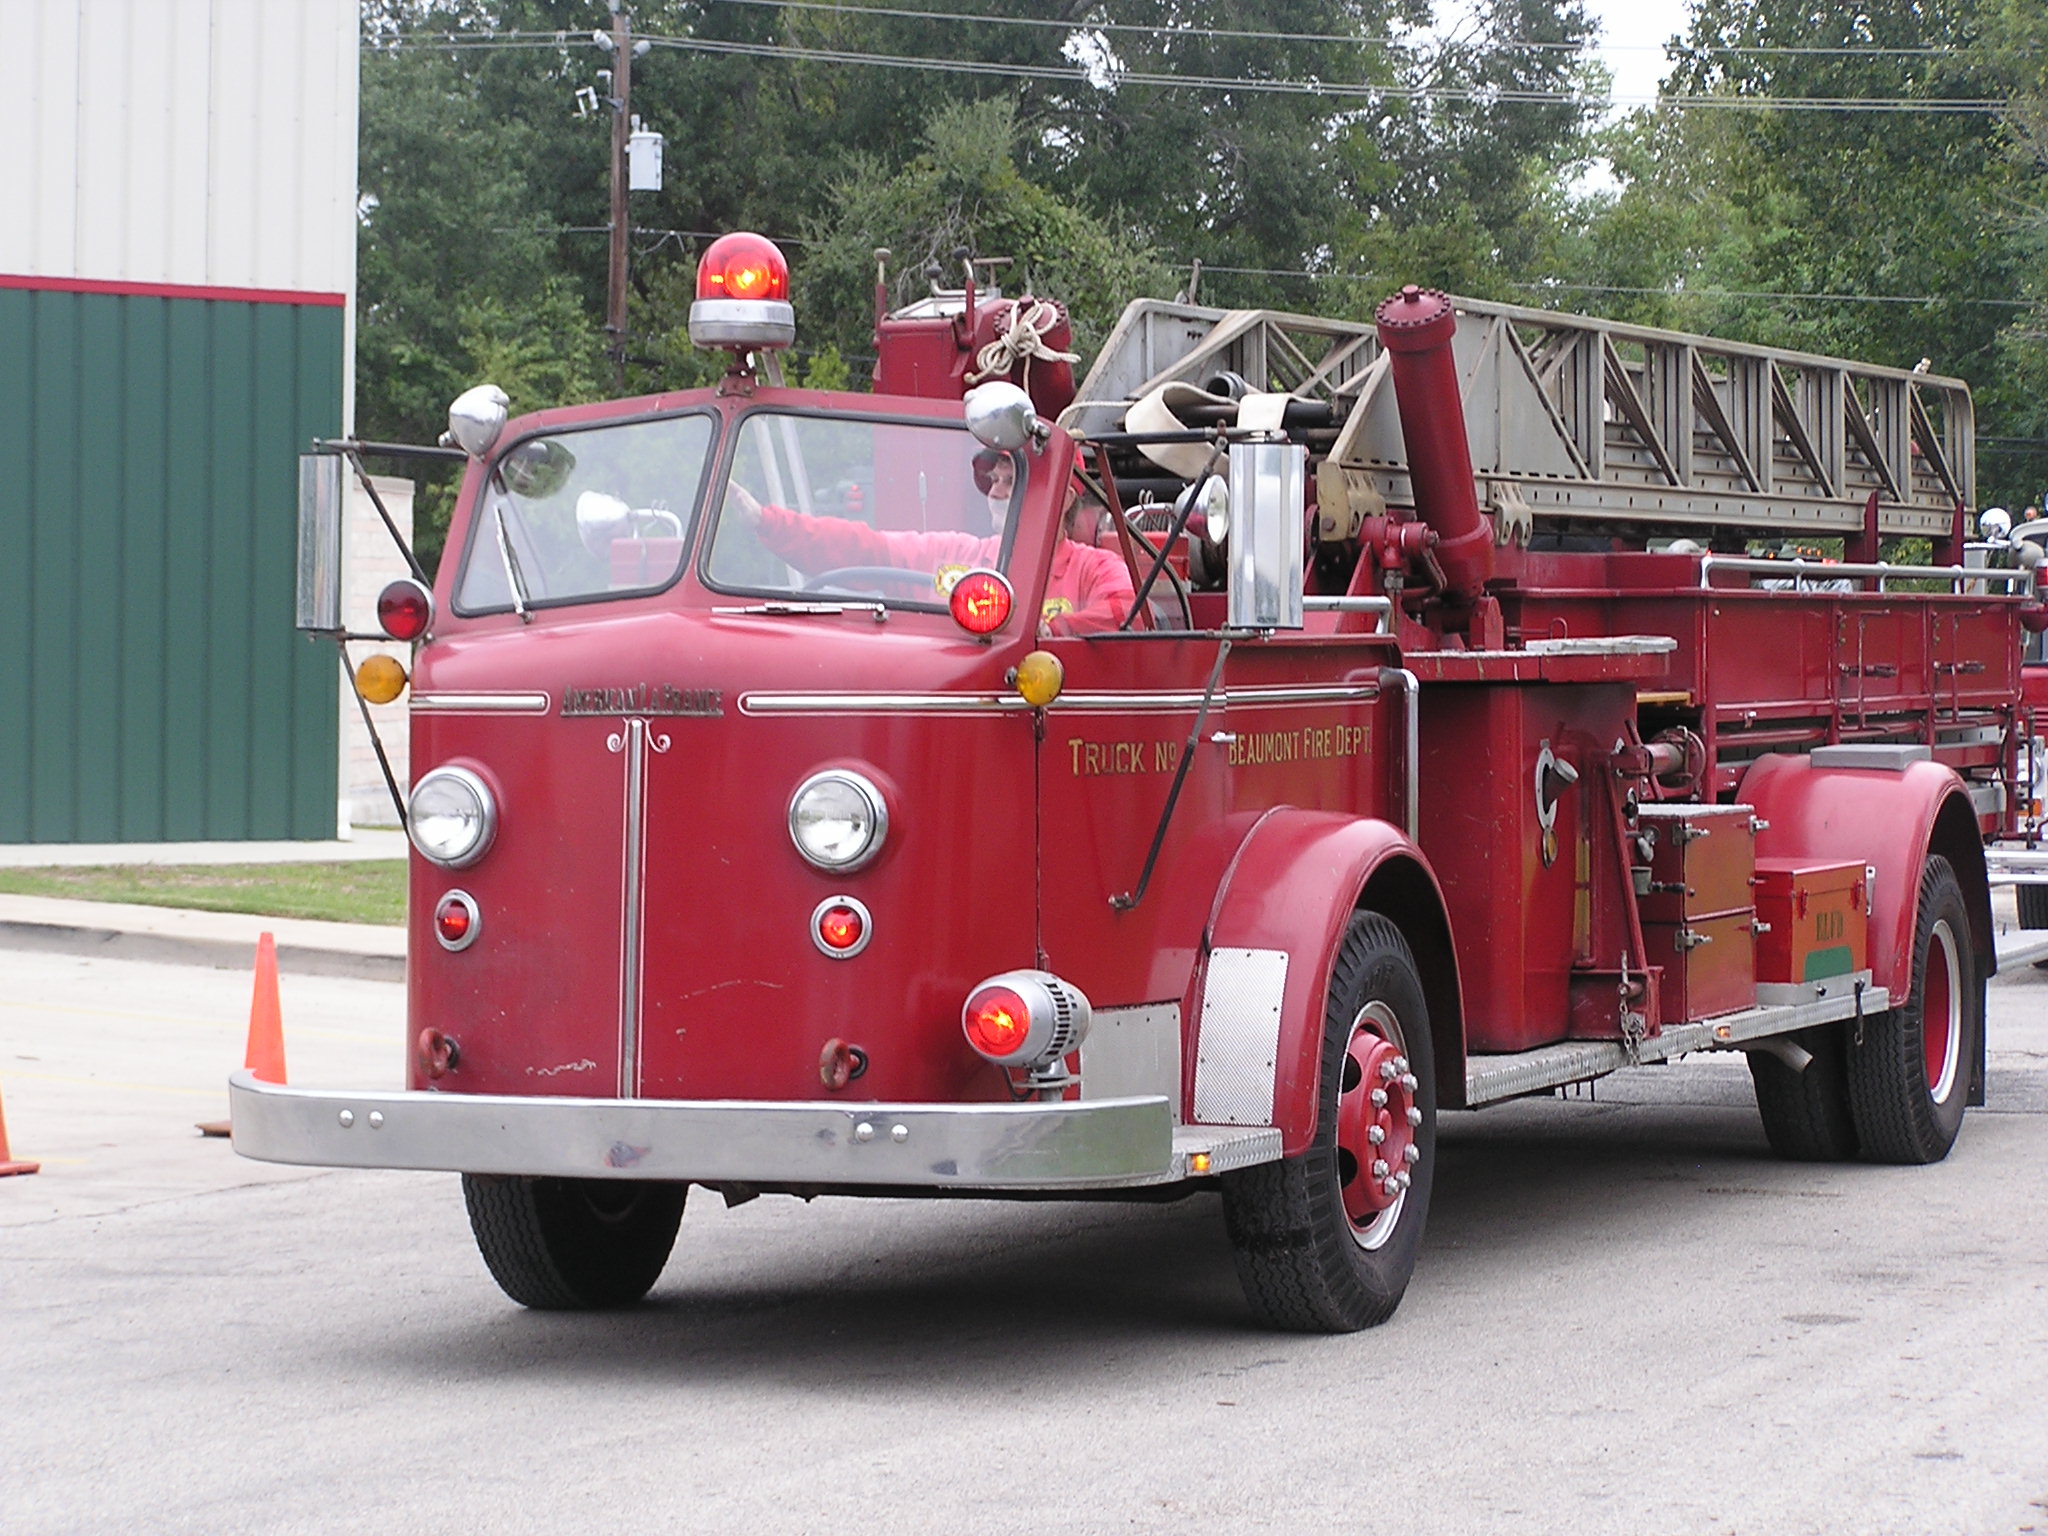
point(1809, 574)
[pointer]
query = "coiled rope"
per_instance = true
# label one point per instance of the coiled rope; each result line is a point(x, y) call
point(1022, 340)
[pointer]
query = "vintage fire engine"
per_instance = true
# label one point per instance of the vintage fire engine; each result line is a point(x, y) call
point(775, 833)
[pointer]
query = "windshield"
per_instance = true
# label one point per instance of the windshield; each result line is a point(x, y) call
point(825, 507)
point(580, 515)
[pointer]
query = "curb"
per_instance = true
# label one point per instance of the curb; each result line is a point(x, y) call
point(175, 949)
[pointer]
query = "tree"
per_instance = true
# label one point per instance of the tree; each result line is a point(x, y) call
point(964, 189)
point(1880, 228)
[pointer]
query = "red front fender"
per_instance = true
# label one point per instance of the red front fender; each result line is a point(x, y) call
point(1888, 819)
point(1291, 889)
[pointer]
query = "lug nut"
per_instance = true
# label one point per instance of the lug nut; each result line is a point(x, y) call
point(1388, 1072)
point(1376, 1135)
point(1379, 1098)
point(1379, 1168)
point(1411, 1154)
point(1414, 1115)
point(1409, 1081)
point(1400, 1063)
point(1401, 1178)
point(1389, 1187)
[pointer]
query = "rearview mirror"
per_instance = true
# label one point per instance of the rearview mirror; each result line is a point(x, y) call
point(320, 508)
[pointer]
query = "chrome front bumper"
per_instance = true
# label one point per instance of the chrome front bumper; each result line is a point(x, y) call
point(1102, 1144)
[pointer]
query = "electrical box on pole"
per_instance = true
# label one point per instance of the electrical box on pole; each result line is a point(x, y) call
point(643, 159)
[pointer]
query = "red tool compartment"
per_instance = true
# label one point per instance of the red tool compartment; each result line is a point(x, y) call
point(1817, 917)
point(1699, 917)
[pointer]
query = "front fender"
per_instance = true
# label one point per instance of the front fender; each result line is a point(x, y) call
point(1280, 913)
point(1889, 819)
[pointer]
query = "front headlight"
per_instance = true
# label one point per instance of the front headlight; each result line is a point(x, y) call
point(451, 817)
point(838, 820)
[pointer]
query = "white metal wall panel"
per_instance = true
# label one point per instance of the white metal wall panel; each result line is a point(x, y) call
point(200, 142)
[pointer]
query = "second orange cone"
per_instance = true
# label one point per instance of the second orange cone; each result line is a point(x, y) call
point(265, 1056)
point(265, 1053)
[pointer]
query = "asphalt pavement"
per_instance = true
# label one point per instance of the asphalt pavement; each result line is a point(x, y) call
point(1628, 1317)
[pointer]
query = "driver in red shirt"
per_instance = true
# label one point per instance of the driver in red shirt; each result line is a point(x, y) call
point(1089, 591)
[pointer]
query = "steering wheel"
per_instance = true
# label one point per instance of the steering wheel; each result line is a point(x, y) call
point(915, 583)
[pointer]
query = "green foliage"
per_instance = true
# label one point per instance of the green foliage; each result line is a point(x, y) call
point(351, 891)
point(483, 244)
point(964, 189)
point(1809, 222)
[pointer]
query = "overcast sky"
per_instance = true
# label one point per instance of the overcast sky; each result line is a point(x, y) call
point(1632, 38)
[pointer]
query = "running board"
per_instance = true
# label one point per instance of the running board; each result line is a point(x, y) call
point(1781, 1008)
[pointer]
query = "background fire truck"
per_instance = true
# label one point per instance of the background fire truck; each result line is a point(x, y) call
point(1455, 749)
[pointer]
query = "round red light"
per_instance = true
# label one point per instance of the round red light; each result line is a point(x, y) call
point(454, 920)
point(404, 608)
point(997, 1021)
point(743, 265)
point(840, 927)
point(981, 602)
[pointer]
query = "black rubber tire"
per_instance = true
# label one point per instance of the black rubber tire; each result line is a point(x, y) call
point(2033, 904)
point(1806, 1113)
point(573, 1244)
point(1303, 1268)
point(1899, 1117)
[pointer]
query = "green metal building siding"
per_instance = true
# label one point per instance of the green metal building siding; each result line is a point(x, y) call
point(152, 686)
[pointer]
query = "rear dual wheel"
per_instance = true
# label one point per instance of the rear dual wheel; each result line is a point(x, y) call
point(573, 1244)
point(1892, 1089)
point(1326, 1241)
point(1909, 1079)
point(2033, 905)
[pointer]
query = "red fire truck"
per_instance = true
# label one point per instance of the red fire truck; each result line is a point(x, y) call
point(776, 833)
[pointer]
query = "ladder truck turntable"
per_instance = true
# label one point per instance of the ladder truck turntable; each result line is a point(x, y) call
point(1455, 748)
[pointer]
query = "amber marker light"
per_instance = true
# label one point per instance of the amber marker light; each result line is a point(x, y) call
point(1039, 678)
point(981, 602)
point(380, 679)
point(1199, 1163)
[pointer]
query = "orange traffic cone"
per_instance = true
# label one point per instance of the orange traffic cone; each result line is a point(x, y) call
point(265, 1053)
point(8, 1163)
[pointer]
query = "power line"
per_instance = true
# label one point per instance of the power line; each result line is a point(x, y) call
point(1339, 90)
point(1269, 85)
point(1233, 34)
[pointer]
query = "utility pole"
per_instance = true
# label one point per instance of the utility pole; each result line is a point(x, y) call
point(619, 44)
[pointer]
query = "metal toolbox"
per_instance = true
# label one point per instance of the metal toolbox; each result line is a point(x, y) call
point(1702, 860)
point(1818, 918)
point(1709, 964)
point(1697, 900)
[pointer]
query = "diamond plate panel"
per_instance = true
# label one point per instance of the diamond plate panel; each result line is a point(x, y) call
point(1239, 1052)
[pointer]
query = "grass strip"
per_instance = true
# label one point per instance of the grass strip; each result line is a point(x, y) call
point(355, 891)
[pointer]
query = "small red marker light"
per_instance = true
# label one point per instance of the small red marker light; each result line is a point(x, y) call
point(981, 602)
point(456, 920)
point(997, 1022)
point(743, 265)
point(841, 927)
point(404, 609)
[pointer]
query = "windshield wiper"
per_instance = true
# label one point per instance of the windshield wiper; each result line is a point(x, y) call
point(879, 610)
point(513, 578)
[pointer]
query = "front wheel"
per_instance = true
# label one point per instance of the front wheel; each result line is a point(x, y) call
point(1326, 1241)
point(1909, 1076)
point(573, 1244)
